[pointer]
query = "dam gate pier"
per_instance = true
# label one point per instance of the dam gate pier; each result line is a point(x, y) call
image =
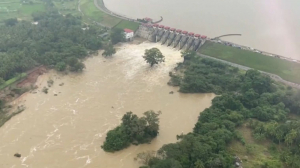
point(171, 37)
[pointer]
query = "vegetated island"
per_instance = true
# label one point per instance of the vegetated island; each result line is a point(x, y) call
point(133, 130)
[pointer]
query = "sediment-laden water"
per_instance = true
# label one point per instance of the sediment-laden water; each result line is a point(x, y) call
point(67, 130)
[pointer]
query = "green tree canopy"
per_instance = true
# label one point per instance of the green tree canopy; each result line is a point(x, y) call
point(109, 50)
point(60, 66)
point(132, 130)
point(117, 35)
point(153, 56)
point(2, 81)
point(11, 22)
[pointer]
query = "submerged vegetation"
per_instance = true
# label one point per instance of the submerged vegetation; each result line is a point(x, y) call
point(133, 130)
point(246, 97)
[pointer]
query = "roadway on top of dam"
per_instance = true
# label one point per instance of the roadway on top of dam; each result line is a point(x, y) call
point(273, 76)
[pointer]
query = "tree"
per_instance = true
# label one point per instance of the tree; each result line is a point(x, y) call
point(75, 65)
point(79, 66)
point(117, 35)
point(199, 164)
point(152, 123)
point(2, 81)
point(61, 66)
point(11, 22)
point(116, 140)
point(153, 56)
point(145, 157)
point(1, 104)
point(133, 130)
point(72, 61)
point(109, 50)
point(188, 54)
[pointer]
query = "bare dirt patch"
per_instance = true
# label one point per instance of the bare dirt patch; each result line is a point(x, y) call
point(32, 77)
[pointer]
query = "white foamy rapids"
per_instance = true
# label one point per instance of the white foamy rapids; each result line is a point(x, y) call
point(134, 62)
point(67, 130)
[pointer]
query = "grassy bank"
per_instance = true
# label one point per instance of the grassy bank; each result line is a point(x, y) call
point(66, 7)
point(254, 153)
point(285, 69)
point(19, 10)
point(91, 11)
point(125, 24)
point(13, 80)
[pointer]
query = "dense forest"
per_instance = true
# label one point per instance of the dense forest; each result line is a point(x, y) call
point(55, 40)
point(245, 97)
point(133, 130)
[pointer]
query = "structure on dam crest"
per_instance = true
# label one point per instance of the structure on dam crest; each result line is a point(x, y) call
point(171, 37)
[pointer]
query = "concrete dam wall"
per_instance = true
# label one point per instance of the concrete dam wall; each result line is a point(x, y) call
point(171, 37)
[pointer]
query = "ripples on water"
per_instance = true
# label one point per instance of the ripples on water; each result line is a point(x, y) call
point(66, 131)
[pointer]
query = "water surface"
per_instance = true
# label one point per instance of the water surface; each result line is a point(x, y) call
point(269, 25)
point(67, 130)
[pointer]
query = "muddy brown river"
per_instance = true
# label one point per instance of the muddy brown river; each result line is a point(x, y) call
point(67, 130)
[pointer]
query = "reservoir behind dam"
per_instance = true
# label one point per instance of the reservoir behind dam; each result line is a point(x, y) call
point(268, 25)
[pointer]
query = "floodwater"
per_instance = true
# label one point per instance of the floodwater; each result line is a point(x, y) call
point(269, 25)
point(67, 130)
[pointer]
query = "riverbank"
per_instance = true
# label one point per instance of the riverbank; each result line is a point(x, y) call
point(71, 121)
point(16, 88)
point(94, 11)
point(287, 70)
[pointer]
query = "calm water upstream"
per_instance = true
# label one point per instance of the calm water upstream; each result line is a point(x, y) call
point(66, 131)
point(269, 25)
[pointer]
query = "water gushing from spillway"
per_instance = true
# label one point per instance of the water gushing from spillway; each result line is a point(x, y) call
point(67, 130)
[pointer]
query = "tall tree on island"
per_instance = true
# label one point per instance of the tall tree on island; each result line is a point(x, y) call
point(153, 56)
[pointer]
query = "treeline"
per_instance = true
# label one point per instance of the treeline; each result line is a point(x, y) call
point(249, 96)
point(133, 130)
point(57, 41)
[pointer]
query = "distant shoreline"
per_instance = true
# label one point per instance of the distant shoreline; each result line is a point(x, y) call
point(108, 11)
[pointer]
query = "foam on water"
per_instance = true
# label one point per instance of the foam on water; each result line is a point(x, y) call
point(67, 130)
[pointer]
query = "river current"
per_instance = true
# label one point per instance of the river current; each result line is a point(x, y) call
point(67, 130)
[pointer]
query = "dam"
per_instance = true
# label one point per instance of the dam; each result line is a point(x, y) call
point(171, 37)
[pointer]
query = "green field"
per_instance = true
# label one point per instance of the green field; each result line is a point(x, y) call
point(66, 7)
point(285, 69)
point(92, 12)
point(19, 10)
point(13, 80)
point(125, 24)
